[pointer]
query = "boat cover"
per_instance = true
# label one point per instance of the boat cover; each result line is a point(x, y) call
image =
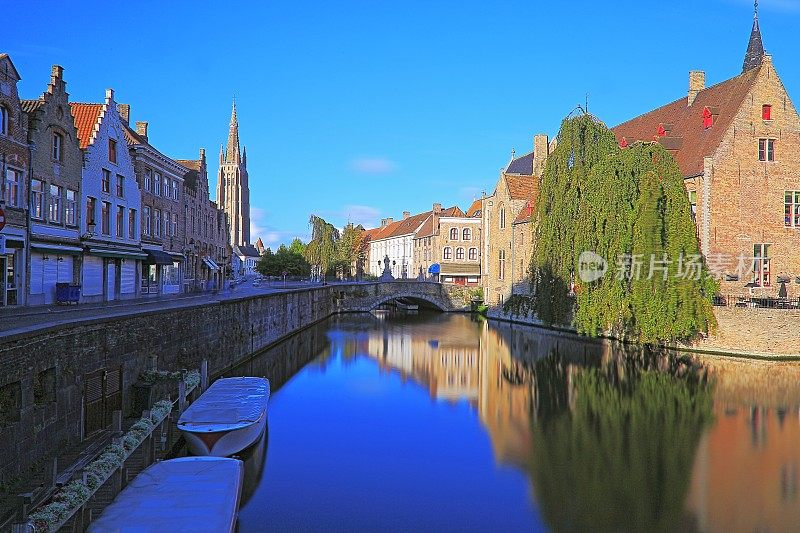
point(187, 494)
point(228, 404)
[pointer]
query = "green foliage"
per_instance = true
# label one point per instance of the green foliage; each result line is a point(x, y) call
point(618, 204)
point(322, 251)
point(518, 305)
point(289, 260)
point(615, 445)
point(352, 250)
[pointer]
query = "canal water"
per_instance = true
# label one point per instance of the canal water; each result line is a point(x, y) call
point(442, 422)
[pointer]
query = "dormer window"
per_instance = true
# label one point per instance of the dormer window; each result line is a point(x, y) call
point(662, 132)
point(708, 118)
point(766, 112)
point(112, 151)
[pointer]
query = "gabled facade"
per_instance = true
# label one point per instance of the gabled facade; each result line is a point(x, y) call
point(504, 265)
point(448, 247)
point(205, 230)
point(160, 179)
point(111, 204)
point(55, 192)
point(244, 260)
point(14, 158)
point(737, 144)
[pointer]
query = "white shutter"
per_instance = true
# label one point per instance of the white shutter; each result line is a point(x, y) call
point(129, 276)
point(65, 269)
point(49, 279)
point(37, 272)
point(111, 281)
point(92, 275)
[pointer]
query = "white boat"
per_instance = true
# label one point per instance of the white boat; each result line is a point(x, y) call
point(186, 494)
point(406, 305)
point(227, 418)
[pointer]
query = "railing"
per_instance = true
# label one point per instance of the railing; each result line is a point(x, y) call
point(756, 301)
point(72, 501)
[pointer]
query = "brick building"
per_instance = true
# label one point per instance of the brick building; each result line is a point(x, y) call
point(503, 213)
point(447, 246)
point(205, 230)
point(14, 160)
point(737, 144)
point(111, 204)
point(160, 179)
point(55, 192)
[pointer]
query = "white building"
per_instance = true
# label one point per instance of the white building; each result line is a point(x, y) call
point(244, 260)
point(110, 202)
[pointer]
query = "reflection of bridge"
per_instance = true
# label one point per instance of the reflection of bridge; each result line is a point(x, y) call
point(367, 296)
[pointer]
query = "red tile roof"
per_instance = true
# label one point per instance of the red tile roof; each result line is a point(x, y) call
point(410, 224)
point(521, 187)
point(191, 164)
point(525, 214)
point(85, 117)
point(474, 209)
point(427, 229)
point(687, 139)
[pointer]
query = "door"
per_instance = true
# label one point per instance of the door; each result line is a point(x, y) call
point(102, 396)
point(117, 278)
point(49, 277)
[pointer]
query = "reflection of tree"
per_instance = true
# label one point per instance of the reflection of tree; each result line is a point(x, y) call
point(614, 445)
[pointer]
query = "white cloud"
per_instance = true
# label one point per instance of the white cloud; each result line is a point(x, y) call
point(257, 229)
point(373, 165)
point(365, 215)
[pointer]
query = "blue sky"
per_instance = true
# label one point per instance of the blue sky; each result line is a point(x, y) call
point(362, 110)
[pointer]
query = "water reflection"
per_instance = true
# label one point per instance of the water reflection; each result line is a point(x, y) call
point(608, 438)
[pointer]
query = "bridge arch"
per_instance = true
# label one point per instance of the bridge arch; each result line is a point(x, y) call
point(412, 297)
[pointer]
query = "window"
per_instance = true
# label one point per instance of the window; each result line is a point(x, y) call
point(54, 209)
point(761, 261)
point(466, 235)
point(454, 234)
point(157, 184)
point(37, 199)
point(106, 181)
point(13, 179)
point(175, 190)
point(693, 204)
point(473, 254)
point(120, 186)
point(44, 387)
point(501, 271)
point(70, 207)
point(112, 150)
point(90, 211)
point(148, 175)
point(447, 253)
point(58, 143)
point(766, 112)
point(766, 149)
point(146, 227)
point(502, 218)
point(459, 254)
point(132, 224)
point(175, 224)
point(3, 120)
point(120, 221)
point(156, 223)
point(105, 218)
point(791, 217)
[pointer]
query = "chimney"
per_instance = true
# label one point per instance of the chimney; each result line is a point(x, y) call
point(141, 129)
point(541, 149)
point(124, 111)
point(110, 94)
point(202, 154)
point(697, 82)
point(437, 208)
point(386, 221)
point(406, 214)
point(56, 79)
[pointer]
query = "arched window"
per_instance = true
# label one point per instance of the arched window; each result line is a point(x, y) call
point(466, 235)
point(460, 254)
point(766, 112)
point(447, 253)
point(502, 217)
point(3, 120)
point(454, 234)
point(473, 254)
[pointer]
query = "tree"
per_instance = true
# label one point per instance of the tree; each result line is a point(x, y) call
point(352, 250)
point(297, 246)
point(623, 205)
point(284, 261)
point(321, 251)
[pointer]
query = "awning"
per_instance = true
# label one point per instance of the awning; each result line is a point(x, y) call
point(433, 269)
point(159, 257)
point(57, 248)
point(117, 254)
point(210, 263)
point(461, 269)
point(176, 257)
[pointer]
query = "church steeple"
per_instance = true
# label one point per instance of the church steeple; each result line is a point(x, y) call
point(755, 48)
point(232, 154)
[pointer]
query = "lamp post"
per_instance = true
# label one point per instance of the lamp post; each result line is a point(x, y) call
point(223, 267)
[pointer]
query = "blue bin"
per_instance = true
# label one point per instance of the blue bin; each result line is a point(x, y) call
point(67, 293)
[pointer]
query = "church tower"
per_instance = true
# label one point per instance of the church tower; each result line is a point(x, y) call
point(233, 187)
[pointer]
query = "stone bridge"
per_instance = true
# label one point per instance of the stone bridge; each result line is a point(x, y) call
point(354, 297)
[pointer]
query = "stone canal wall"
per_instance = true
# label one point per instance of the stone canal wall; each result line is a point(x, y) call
point(59, 382)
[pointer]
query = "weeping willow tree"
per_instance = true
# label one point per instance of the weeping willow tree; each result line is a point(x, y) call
point(322, 251)
point(616, 452)
point(630, 208)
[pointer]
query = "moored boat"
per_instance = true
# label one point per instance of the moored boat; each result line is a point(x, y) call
point(186, 494)
point(406, 305)
point(227, 418)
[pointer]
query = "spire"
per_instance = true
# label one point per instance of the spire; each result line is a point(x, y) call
point(232, 154)
point(244, 156)
point(755, 48)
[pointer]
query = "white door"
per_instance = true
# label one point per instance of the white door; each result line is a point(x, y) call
point(37, 273)
point(92, 276)
point(111, 278)
point(65, 265)
point(129, 276)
